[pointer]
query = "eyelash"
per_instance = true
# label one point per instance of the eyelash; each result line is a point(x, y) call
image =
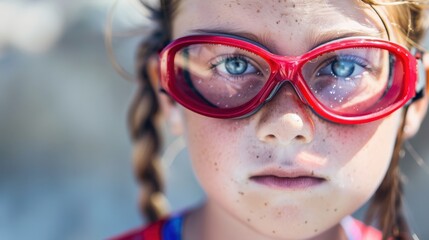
point(222, 59)
point(352, 58)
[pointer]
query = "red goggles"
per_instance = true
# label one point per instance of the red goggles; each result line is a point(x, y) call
point(348, 81)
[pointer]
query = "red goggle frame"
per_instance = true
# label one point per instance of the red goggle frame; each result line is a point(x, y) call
point(187, 60)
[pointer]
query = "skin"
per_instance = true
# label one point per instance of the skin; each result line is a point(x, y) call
point(284, 134)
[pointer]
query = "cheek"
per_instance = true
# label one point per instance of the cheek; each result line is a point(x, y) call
point(214, 150)
point(360, 175)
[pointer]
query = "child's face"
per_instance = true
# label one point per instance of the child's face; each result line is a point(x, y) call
point(247, 167)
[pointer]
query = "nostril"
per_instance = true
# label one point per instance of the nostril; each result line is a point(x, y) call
point(270, 137)
point(300, 138)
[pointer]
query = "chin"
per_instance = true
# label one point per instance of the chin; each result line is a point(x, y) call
point(293, 227)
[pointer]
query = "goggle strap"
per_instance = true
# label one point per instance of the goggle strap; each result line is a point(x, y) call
point(421, 77)
point(163, 91)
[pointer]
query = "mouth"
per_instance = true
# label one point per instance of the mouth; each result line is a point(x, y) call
point(285, 180)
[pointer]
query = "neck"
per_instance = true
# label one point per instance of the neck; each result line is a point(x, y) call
point(211, 222)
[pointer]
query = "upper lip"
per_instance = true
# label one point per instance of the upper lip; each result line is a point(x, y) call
point(287, 172)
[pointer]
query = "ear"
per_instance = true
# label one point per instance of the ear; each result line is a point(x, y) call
point(169, 109)
point(417, 110)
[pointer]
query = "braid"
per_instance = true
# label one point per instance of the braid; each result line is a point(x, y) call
point(143, 121)
point(387, 203)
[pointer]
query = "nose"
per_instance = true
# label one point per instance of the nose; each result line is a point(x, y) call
point(285, 119)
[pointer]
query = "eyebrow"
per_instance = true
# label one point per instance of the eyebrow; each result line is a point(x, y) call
point(262, 40)
point(316, 38)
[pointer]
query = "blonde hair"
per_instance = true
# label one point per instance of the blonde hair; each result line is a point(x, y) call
point(386, 206)
point(407, 17)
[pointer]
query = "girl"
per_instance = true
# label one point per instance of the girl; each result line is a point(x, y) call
point(293, 111)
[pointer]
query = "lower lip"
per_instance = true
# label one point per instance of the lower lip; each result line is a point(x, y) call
point(288, 182)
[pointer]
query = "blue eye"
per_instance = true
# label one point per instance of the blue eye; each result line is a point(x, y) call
point(236, 66)
point(343, 68)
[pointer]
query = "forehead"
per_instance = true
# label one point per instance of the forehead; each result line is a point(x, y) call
point(279, 21)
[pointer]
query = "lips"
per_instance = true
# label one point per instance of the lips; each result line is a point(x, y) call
point(293, 180)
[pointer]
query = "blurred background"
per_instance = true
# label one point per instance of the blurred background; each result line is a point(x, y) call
point(65, 155)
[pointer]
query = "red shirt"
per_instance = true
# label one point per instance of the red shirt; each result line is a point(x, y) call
point(171, 229)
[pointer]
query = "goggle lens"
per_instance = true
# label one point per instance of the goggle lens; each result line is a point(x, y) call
point(354, 81)
point(220, 76)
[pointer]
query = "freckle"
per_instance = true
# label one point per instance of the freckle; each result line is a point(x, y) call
point(248, 219)
point(296, 20)
point(215, 163)
point(316, 230)
point(258, 11)
point(312, 173)
point(293, 5)
point(266, 204)
point(274, 232)
point(277, 22)
point(241, 193)
point(257, 156)
point(279, 213)
point(269, 156)
point(217, 169)
point(327, 209)
point(335, 209)
point(305, 222)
